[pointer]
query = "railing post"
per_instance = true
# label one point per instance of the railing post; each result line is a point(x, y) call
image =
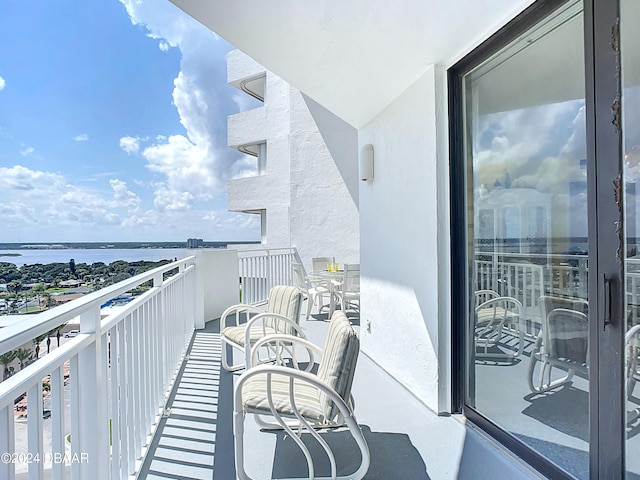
point(200, 287)
point(268, 274)
point(7, 441)
point(34, 430)
point(92, 445)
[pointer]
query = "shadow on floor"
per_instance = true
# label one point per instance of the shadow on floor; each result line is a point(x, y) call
point(354, 317)
point(392, 456)
point(570, 459)
point(200, 423)
point(565, 409)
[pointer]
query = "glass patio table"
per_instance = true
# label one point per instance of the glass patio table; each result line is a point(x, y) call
point(329, 280)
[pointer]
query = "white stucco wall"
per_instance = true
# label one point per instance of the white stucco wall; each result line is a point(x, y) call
point(404, 221)
point(308, 195)
point(269, 123)
point(324, 214)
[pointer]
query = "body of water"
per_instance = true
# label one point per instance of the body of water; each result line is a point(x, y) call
point(89, 256)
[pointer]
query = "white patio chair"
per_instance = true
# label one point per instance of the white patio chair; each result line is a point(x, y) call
point(348, 289)
point(282, 316)
point(498, 324)
point(562, 343)
point(314, 294)
point(299, 401)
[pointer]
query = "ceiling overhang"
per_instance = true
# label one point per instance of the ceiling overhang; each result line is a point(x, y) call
point(353, 57)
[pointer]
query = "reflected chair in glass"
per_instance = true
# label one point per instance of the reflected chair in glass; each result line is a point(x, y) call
point(250, 323)
point(632, 366)
point(314, 294)
point(349, 289)
point(288, 397)
point(498, 326)
point(563, 343)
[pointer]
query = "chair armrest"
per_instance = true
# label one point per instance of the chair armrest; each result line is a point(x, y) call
point(280, 342)
point(492, 302)
point(237, 309)
point(280, 318)
point(260, 318)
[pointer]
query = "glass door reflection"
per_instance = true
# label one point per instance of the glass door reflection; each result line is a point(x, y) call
point(630, 50)
point(527, 191)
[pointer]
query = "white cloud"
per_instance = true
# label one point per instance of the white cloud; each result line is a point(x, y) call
point(27, 151)
point(190, 166)
point(122, 196)
point(172, 200)
point(46, 206)
point(130, 144)
point(186, 166)
point(48, 200)
point(198, 163)
point(2, 83)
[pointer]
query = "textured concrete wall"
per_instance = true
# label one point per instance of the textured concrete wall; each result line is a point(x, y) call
point(324, 215)
point(404, 239)
point(310, 196)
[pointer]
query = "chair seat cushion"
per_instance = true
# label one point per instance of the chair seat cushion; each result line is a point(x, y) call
point(237, 334)
point(307, 397)
point(492, 314)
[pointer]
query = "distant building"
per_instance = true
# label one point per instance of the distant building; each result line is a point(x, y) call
point(195, 243)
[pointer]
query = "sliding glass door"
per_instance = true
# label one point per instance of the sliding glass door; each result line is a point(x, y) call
point(545, 212)
point(630, 50)
point(528, 242)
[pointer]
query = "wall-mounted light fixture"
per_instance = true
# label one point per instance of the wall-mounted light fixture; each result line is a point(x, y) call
point(366, 163)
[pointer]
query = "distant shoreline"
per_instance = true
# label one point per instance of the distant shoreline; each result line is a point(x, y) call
point(109, 245)
point(10, 254)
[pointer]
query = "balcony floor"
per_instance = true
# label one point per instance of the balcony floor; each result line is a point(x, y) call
point(406, 439)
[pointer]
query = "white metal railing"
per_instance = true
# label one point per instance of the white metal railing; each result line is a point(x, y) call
point(262, 269)
point(120, 371)
point(527, 276)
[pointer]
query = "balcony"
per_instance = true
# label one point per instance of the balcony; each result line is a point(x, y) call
point(140, 392)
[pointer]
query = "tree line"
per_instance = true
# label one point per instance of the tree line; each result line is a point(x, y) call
point(39, 281)
point(96, 274)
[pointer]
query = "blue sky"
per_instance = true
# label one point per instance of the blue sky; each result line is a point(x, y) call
point(113, 124)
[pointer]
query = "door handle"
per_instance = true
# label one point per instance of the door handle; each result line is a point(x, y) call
point(606, 286)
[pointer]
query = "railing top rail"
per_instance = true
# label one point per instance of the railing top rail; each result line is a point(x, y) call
point(34, 373)
point(16, 335)
point(290, 250)
point(532, 255)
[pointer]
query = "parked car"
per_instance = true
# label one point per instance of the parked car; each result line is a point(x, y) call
point(71, 333)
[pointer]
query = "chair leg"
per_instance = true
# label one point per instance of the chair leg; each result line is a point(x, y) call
point(224, 358)
point(310, 300)
point(238, 437)
point(545, 370)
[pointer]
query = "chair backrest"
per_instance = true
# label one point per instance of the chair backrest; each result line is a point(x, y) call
point(566, 327)
point(351, 279)
point(549, 302)
point(287, 301)
point(299, 277)
point(485, 295)
point(338, 363)
point(320, 263)
point(568, 335)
